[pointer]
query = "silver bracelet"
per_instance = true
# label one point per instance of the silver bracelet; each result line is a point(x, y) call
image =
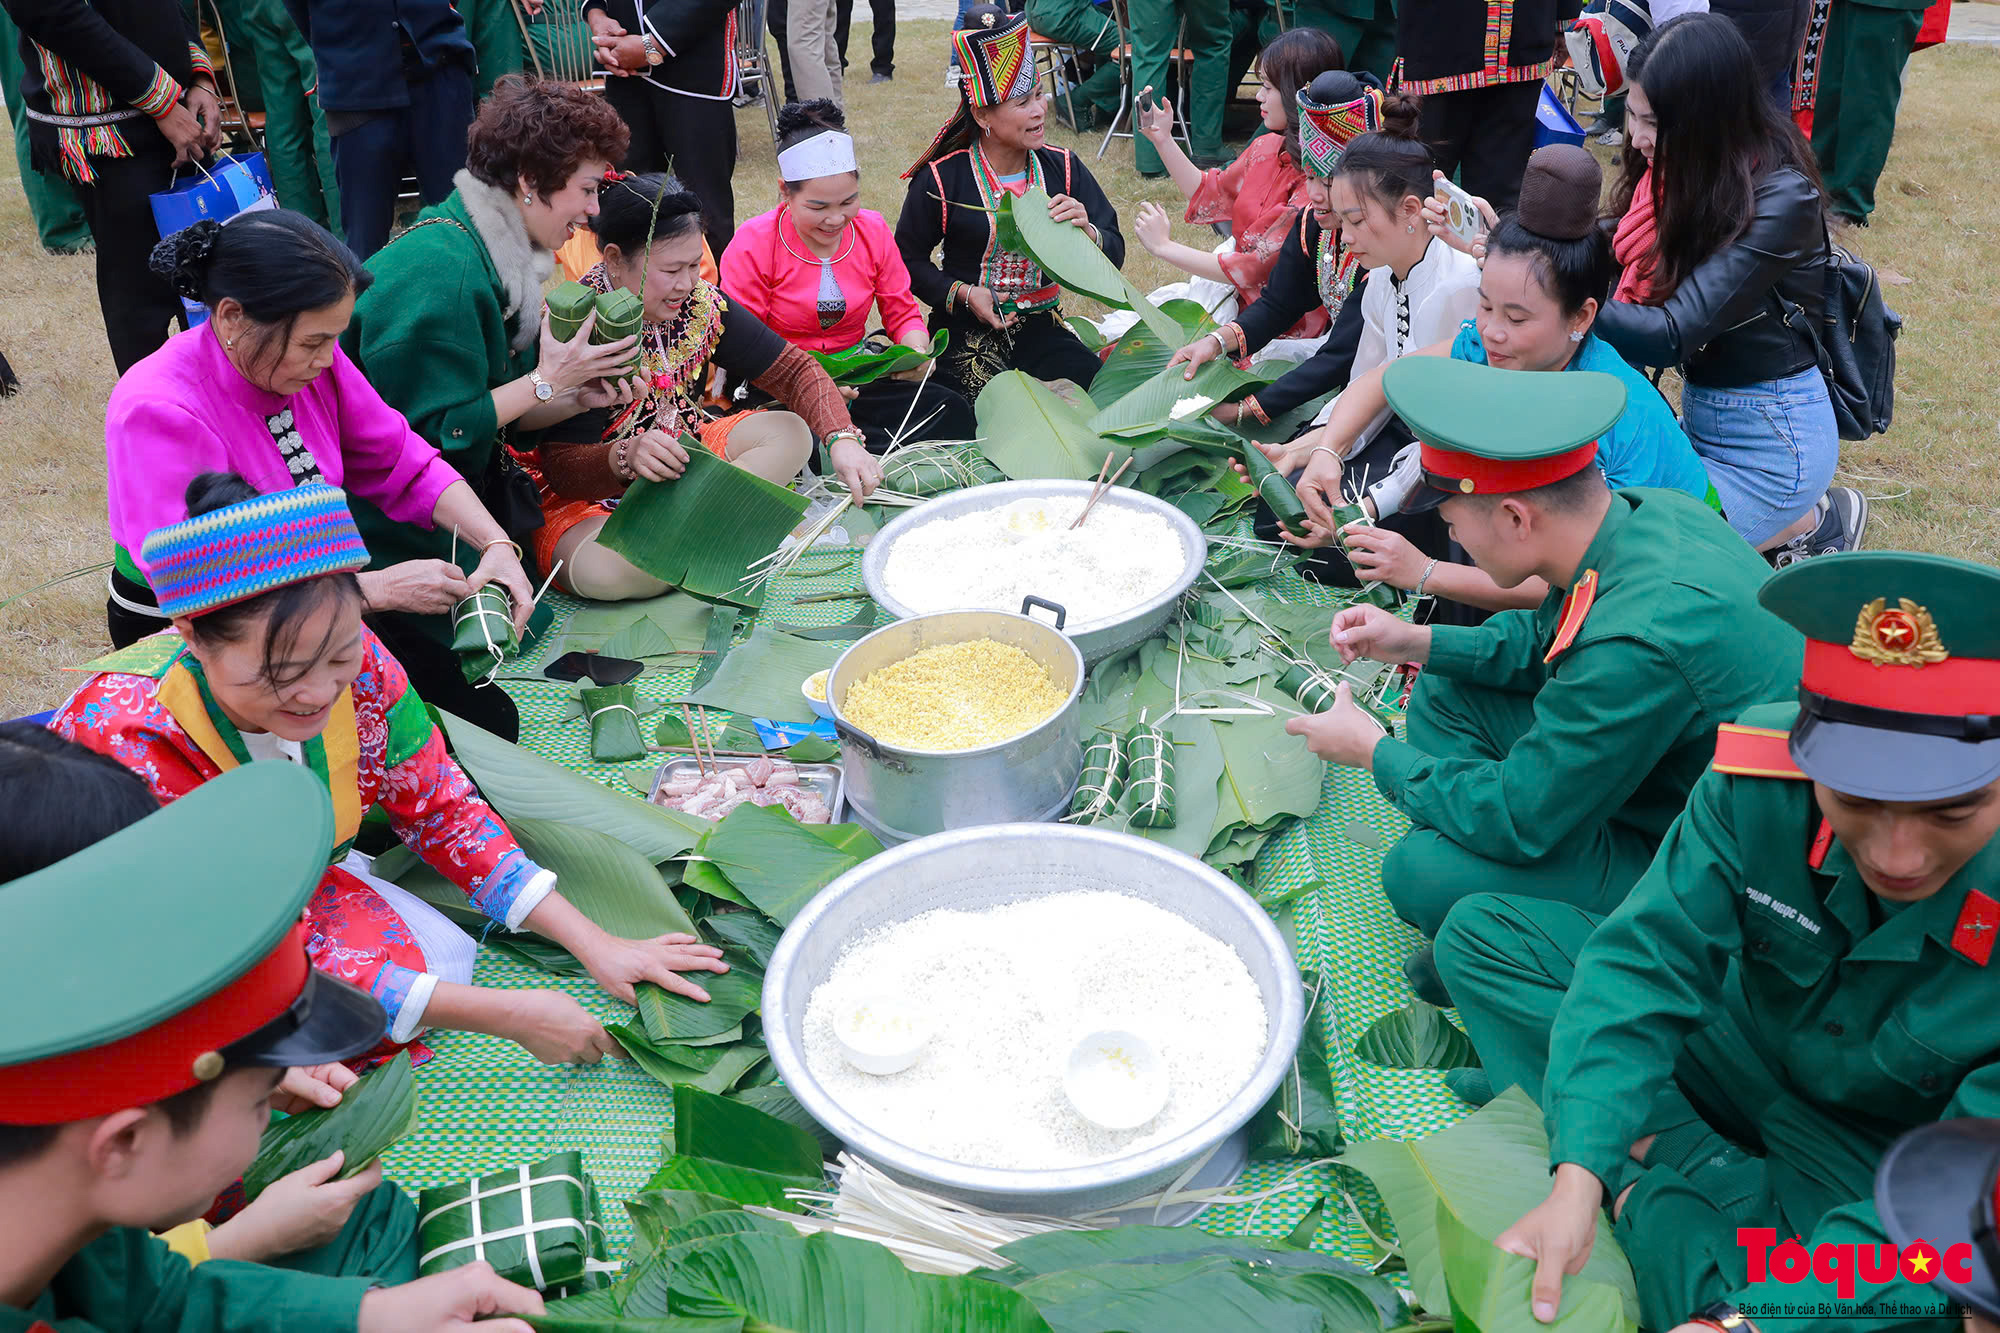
point(1429, 570)
point(1326, 449)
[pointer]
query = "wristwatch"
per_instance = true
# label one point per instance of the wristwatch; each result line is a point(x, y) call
point(652, 48)
point(543, 389)
point(1723, 1315)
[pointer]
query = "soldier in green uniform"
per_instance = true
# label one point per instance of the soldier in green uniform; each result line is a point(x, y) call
point(1860, 84)
point(157, 992)
point(1091, 31)
point(1365, 29)
point(1548, 750)
point(59, 221)
point(1156, 32)
point(1801, 976)
point(272, 63)
point(1940, 1186)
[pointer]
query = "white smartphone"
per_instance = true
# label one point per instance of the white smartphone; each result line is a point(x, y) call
point(1460, 213)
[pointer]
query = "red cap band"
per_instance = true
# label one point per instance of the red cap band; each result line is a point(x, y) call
point(1473, 474)
point(1956, 686)
point(159, 1061)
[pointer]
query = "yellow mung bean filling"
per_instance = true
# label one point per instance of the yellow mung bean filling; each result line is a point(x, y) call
point(956, 696)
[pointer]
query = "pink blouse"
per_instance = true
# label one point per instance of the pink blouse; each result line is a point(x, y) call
point(185, 410)
point(1259, 195)
point(782, 289)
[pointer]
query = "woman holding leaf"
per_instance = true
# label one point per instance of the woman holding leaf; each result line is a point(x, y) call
point(999, 307)
point(814, 268)
point(271, 662)
point(650, 232)
point(1259, 196)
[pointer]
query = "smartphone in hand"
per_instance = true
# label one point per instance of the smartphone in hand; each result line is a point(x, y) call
point(1461, 213)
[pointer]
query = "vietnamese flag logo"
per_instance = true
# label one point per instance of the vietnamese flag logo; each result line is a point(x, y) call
point(1920, 1261)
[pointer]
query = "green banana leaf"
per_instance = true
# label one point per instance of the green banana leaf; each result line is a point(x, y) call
point(734, 733)
point(1238, 566)
point(778, 863)
point(668, 1065)
point(749, 932)
point(1198, 1295)
point(721, 1147)
point(377, 1111)
point(834, 1284)
point(1148, 408)
point(536, 952)
point(523, 785)
point(813, 750)
point(558, 1319)
point(739, 1063)
point(655, 1213)
point(1491, 1289)
point(732, 996)
point(868, 361)
point(1062, 1251)
point(1142, 353)
point(715, 646)
point(702, 531)
point(775, 1100)
point(603, 878)
point(1067, 254)
point(1488, 1170)
point(929, 469)
point(1033, 434)
point(1302, 1119)
point(705, 878)
point(762, 675)
point(1417, 1036)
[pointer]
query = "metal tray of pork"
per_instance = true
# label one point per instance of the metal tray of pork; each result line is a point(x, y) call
point(811, 793)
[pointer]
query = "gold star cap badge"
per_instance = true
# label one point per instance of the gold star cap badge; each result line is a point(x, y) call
point(1903, 635)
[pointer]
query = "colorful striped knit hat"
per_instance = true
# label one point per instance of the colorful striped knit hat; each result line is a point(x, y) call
point(242, 550)
point(1332, 112)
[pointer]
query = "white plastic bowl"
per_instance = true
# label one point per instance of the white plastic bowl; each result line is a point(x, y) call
point(1115, 1079)
point(880, 1034)
point(820, 705)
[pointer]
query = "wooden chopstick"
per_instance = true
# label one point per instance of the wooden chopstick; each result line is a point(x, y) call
point(694, 740)
point(1097, 489)
point(1097, 495)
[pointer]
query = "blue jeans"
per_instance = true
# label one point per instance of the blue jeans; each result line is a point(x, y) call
point(427, 138)
point(1770, 448)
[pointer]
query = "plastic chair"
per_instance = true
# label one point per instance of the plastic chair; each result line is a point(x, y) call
point(753, 61)
point(1050, 56)
point(557, 43)
point(1179, 61)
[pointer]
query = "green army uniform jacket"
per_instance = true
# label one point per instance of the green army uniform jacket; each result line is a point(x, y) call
point(433, 336)
point(1869, 1020)
point(128, 1280)
point(1668, 642)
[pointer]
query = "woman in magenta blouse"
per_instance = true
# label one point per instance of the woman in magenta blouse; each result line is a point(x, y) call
point(815, 267)
point(263, 390)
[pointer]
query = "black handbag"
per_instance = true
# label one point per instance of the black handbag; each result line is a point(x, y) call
point(509, 494)
point(1855, 341)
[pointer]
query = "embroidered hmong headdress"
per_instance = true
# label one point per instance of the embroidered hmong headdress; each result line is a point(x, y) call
point(993, 65)
point(1332, 111)
point(239, 551)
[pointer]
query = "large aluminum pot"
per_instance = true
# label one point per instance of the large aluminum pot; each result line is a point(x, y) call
point(986, 867)
point(900, 793)
point(1096, 640)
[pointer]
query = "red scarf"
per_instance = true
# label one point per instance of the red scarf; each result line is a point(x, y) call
point(1636, 245)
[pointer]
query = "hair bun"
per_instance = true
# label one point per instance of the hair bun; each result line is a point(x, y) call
point(1559, 192)
point(182, 258)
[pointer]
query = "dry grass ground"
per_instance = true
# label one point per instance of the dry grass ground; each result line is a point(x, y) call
point(1939, 223)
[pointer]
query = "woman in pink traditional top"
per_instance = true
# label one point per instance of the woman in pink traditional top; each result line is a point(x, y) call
point(263, 390)
point(269, 662)
point(815, 267)
point(1259, 196)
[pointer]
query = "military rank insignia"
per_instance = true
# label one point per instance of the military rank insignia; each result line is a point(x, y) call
point(1903, 636)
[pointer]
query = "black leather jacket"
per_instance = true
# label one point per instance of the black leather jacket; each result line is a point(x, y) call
point(1724, 326)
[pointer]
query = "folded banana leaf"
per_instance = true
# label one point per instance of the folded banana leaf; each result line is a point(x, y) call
point(1275, 489)
point(702, 531)
point(1148, 411)
point(482, 631)
point(619, 315)
point(934, 469)
point(536, 1224)
point(1032, 433)
point(1142, 353)
point(1239, 563)
point(378, 1110)
point(874, 357)
point(613, 715)
point(569, 305)
point(1102, 781)
point(1151, 776)
point(1067, 254)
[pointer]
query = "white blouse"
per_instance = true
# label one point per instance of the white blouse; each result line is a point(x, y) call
point(1440, 293)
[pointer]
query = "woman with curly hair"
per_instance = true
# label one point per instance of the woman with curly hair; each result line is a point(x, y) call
point(453, 335)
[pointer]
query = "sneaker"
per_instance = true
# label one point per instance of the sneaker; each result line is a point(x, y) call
point(1611, 139)
point(879, 77)
point(1841, 517)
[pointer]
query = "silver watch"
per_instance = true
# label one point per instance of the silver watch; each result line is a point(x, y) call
point(543, 389)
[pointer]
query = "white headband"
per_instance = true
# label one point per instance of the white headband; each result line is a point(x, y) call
point(829, 153)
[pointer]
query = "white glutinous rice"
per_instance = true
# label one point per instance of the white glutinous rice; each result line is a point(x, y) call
point(1010, 990)
point(989, 560)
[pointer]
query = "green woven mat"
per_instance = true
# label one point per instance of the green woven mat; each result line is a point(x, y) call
point(487, 1103)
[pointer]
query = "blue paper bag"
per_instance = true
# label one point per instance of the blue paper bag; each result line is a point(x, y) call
point(1554, 123)
point(236, 185)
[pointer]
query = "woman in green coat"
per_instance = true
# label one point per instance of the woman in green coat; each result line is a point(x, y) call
point(453, 335)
